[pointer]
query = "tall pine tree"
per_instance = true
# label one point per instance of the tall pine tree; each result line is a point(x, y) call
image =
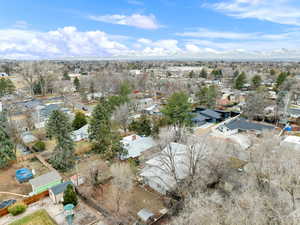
point(60, 128)
point(7, 148)
point(105, 140)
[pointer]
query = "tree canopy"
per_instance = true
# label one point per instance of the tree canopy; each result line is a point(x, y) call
point(7, 148)
point(60, 128)
point(79, 121)
point(105, 140)
point(6, 87)
point(256, 81)
point(240, 81)
point(207, 96)
point(178, 109)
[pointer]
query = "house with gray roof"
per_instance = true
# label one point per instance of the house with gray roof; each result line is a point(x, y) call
point(136, 145)
point(56, 193)
point(242, 125)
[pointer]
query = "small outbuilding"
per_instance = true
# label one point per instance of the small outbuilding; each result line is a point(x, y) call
point(45, 181)
point(56, 193)
point(145, 215)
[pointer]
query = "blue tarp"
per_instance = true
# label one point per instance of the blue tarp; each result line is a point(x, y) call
point(23, 175)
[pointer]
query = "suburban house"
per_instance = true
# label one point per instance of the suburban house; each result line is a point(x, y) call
point(27, 137)
point(43, 113)
point(136, 145)
point(156, 172)
point(56, 193)
point(45, 181)
point(242, 125)
point(92, 96)
point(80, 134)
point(203, 116)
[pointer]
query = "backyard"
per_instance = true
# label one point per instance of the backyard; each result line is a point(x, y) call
point(10, 184)
point(37, 218)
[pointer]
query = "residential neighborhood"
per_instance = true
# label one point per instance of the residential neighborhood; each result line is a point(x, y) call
point(134, 112)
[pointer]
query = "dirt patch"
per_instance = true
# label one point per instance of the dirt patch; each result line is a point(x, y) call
point(130, 203)
point(10, 184)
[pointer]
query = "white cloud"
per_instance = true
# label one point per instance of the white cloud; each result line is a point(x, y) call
point(63, 42)
point(134, 20)
point(276, 11)
point(70, 42)
point(205, 33)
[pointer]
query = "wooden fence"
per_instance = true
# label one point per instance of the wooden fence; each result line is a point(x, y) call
point(27, 201)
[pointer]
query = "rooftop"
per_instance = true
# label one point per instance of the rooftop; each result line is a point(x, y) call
point(45, 179)
point(243, 124)
point(60, 187)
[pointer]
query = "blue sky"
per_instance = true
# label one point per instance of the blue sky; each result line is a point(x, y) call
point(35, 29)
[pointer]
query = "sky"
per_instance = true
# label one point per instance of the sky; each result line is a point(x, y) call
point(150, 29)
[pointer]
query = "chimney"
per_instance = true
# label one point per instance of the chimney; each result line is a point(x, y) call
point(133, 137)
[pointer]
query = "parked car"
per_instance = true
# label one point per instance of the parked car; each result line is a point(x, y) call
point(7, 203)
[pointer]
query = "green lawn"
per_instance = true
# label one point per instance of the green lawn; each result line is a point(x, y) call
point(40, 217)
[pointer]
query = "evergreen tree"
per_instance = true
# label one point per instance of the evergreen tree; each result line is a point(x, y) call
point(77, 84)
point(272, 72)
point(191, 74)
point(178, 109)
point(105, 140)
point(256, 81)
point(203, 73)
point(281, 78)
point(79, 121)
point(240, 81)
point(60, 128)
point(70, 196)
point(207, 96)
point(6, 87)
point(66, 76)
point(141, 126)
point(7, 149)
point(125, 90)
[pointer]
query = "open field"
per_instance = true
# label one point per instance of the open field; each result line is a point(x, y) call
point(37, 218)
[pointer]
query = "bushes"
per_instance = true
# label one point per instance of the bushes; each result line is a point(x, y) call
point(39, 146)
point(70, 196)
point(17, 208)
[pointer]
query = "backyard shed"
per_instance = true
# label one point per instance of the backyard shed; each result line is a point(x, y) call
point(45, 181)
point(145, 215)
point(56, 192)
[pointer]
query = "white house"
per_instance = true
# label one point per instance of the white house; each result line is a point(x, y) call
point(80, 134)
point(136, 145)
point(292, 142)
point(156, 172)
point(96, 95)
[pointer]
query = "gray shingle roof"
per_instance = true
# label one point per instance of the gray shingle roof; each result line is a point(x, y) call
point(243, 124)
point(45, 179)
point(60, 188)
point(199, 118)
point(210, 113)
